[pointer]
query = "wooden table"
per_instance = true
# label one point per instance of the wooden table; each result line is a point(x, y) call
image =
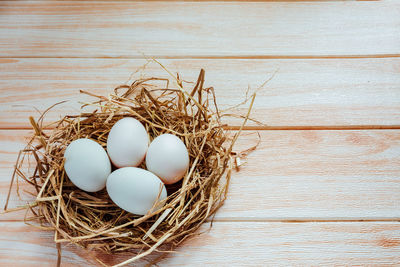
point(323, 188)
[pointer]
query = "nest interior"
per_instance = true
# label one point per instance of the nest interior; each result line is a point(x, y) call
point(92, 220)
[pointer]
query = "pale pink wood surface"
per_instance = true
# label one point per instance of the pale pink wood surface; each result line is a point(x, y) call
point(294, 175)
point(234, 244)
point(337, 66)
point(200, 29)
point(303, 92)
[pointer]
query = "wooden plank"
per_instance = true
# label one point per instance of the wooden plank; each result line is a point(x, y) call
point(202, 29)
point(294, 175)
point(248, 244)
point(310, 92)
point(318, 175)
point(22, 245)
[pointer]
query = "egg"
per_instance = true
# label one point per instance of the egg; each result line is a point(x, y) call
point(168, 158)
point(127, 143)
point(135, 190)
point(87, 164)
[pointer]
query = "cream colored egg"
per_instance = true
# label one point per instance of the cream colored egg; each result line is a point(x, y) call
point(135, 190)
point(87, 164)
point(168, 158)
point(127, 143)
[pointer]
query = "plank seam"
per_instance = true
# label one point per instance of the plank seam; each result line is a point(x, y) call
point(271, 128)
point(245, 220)
point(211, 57)
point(308, 220)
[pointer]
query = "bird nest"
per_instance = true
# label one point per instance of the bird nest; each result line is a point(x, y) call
point(92, 220)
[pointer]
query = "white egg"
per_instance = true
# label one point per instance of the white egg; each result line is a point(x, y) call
point(135, 190)
point(127, 143)
point(168, 158)
point(87, 164)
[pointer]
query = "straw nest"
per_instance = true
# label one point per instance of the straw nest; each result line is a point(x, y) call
point(92, 220)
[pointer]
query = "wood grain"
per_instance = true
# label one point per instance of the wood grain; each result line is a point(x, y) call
point(201, 29)
point(247, 244)
point(303, 92)
point(294, 175)
point(305, 197)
